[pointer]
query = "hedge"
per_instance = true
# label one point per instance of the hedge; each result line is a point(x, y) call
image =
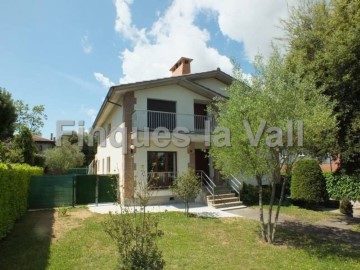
point(14, 188)
point(343, 186)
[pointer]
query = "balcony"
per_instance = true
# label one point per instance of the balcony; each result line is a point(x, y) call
point(142, 119)
point(161, 180)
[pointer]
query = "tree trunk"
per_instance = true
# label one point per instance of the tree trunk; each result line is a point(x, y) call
point(262, 225)
point(269, 224)
point(278, 207)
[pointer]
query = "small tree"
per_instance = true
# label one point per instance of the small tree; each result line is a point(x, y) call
point(24, 142)
point(308, 186)
point(187, 187)
point(135, 233)
point(266, 120)
point(60, 159)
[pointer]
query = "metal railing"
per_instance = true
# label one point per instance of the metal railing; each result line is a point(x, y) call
point(161, 180)
point(207, 182)
point(235, 184)
point(142, 119)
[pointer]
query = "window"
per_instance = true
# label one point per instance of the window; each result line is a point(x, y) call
point(108, 164)
point(161, 113)
point(103, 165)
point(108, 130)
point(161, 168)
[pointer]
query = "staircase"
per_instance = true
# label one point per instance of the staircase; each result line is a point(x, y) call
point(222, 197)
point(224, 201)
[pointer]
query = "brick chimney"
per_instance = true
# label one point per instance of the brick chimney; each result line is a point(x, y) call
point(181, 67)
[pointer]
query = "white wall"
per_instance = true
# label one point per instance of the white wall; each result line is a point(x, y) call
point(110, 149)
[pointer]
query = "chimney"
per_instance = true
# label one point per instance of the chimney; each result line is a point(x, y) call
point(181, 67)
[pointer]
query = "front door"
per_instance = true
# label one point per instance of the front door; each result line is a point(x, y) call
point(202, 161)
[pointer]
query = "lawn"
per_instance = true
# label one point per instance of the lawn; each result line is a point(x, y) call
point(302, 214)
point(42, 240)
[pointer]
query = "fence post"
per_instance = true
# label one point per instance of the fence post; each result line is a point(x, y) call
point(97, 190)
point(74, 190)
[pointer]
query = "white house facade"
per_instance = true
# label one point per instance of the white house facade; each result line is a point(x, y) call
point(157, 129)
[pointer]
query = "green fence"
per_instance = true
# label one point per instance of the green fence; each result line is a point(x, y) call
point(51, 191)
point(69, 190)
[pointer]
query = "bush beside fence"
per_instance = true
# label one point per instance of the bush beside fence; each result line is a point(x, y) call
point(14, 188)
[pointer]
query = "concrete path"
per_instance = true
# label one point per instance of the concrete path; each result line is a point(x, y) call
point(252, 213)
point(199, 209)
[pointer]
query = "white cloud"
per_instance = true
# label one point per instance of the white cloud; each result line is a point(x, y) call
point(85, 44)
point(105, 81)
point(174, 34)
point(91, 113)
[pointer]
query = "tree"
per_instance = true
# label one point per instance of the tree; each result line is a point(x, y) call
point(275, 102)
point(32, 118)
point(7, 115)
point(24, 142)
point(60, 159)
point(187, 187)
point(323, 42)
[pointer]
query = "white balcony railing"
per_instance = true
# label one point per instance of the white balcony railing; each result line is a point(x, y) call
point(142, 119)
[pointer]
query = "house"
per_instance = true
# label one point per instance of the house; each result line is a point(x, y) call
point(139, 125)
point(43, 144)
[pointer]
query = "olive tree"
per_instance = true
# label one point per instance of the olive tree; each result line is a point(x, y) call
point(270, 120)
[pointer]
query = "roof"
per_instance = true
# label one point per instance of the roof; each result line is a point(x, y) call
point(187, 81)
point(37, 138)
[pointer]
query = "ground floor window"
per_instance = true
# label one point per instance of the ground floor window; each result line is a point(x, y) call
point(161, 168)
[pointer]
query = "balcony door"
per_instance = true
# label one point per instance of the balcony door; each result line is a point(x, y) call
point(161, 113)
point(200, 115)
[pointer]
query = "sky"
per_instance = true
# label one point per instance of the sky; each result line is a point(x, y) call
point(66, 54)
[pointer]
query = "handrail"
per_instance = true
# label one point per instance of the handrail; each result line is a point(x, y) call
point(235, 184)
point(209, 184)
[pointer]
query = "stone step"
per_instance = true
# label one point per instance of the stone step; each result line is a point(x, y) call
point(227, 205)
point(223, 200)
point(219, 196)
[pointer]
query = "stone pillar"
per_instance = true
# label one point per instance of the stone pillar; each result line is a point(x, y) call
point(129, 166)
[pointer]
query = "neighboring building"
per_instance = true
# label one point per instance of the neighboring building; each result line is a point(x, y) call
point(177, 101)
point(43, 144)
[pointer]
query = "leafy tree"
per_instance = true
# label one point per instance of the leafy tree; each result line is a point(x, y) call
point(276, 101)
point(323, 42)
point(24, 142)
point(187, 187)
point(308, 186)
point(32, 118)
point(7, 115)
point(89, 151)
point(60, 159)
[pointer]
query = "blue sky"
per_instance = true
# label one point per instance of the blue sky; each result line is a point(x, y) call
point(66, 54)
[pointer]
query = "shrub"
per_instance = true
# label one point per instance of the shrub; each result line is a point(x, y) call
point(308, 187)
point(346, 207)
point(343, 186)
point(187, 186)
point(14, 187)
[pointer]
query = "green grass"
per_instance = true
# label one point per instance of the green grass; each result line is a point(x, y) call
point(188, 243)
point(302, 214)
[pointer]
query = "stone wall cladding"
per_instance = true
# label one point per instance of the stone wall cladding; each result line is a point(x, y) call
point(129, 166)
